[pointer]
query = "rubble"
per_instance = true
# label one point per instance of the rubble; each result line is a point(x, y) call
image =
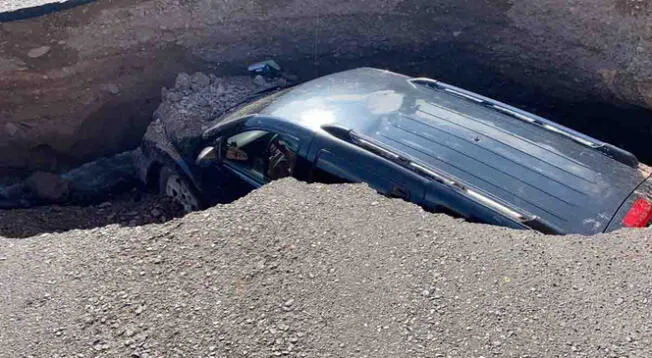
point(195, 102)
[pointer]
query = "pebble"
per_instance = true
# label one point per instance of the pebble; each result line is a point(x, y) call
point(260, 81)
point(130, 332)
point(199, 80)
point(38, 52)
point(182, 82)
point(113, 88)
point(11, 129)
point(173, 97)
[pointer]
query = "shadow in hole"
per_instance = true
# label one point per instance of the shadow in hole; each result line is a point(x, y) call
point(131, 209)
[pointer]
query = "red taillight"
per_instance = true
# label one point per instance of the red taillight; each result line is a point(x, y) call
point(639, 215)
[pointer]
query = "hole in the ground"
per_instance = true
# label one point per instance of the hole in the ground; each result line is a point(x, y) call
point(625, 126)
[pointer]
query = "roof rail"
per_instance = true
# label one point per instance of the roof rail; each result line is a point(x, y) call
point(369, 144)
point(607, 149)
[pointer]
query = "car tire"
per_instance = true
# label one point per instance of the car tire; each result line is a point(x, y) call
point(177, 187)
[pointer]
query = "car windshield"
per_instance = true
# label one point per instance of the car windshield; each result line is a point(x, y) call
point(254, 104)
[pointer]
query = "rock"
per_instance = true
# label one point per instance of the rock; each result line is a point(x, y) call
point(219, 90)
point(38, 52)
point(130, 331)
point(49, 186)
point(173, 97)
point(199, 81)
point(260, 81)
point(11, 129)
point(183, 82)
point(113, 88)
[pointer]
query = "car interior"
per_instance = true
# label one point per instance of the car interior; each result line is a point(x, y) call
point(266, 156)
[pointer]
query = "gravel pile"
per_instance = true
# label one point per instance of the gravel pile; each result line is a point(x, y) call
point(314, 270)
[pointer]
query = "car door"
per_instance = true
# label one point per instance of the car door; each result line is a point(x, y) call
point(252, 158)
point(353, 164)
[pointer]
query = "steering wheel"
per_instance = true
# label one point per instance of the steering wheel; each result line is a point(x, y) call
point(268, 156)
point(268, 152)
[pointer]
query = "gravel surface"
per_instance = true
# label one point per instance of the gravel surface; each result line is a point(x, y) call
point(317, 271)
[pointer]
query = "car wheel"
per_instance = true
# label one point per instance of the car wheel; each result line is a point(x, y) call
point(179, 189)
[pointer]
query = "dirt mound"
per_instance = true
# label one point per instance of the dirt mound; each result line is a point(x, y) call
point(313, 270)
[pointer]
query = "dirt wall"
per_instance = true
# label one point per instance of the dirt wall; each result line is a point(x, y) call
point(83, 83)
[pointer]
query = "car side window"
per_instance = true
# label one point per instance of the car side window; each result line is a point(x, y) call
point(266, 156)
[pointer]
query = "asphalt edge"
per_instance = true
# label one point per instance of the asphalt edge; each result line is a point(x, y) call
point(36, 11)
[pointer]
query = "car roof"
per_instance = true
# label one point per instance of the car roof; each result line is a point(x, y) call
point(557, 177)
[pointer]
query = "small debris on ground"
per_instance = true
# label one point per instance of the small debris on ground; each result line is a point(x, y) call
point(38, 52)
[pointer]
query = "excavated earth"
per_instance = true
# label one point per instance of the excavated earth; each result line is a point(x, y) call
point(324, 271)
point(82, 83)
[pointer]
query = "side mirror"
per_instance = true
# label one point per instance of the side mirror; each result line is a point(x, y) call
point(207, 157)
point(210, 155)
